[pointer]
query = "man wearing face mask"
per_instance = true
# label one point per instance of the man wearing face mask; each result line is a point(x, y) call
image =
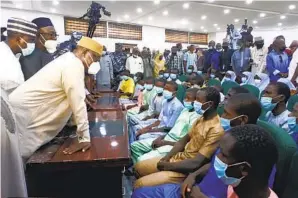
point(274, 101)
point(226, 56)
point(258, 55)
point(208, 54)
point(45, 102)
point(190, 58)
point(20, 40)
point(135, 63)
point(216, 58)
point(241, 58)
point(174, 61)
point(45, 46)
point(105, 74)
point(277, 61)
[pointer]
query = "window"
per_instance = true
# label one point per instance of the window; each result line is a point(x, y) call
point(125, 31)
point(198, 38)
point(174, 36)
point(81, 25)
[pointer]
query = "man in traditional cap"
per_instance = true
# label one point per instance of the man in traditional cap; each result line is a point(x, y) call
point(258, 55)
point(46, 44)
point(45, 102)
point(20, 40)
point(226, 55)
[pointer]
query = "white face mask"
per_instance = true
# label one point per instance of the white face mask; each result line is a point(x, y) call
point(94, 67)
point(50, 45)
point(29, 49)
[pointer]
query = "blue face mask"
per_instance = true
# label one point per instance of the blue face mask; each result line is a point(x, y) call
point(226, 123)
point(199, 72)
point(243, 79)
point(29, 49)
point(161, 76)
point(220, 169)
point(293, 126)
point(139, 87)
point(166, 75)
point(188, 105)
point(135, 78)
point(189, 71)
point(267, 103)
point(159, 90)
point(198, 107)
point(212, 76)
point(148, 87)
point(167, 94)
point(173, 76)
point(226, 79)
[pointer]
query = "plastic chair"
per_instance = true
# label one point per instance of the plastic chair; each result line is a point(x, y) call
point(292, 180)
point(286, 148)
point(228, 85)
point(291, 102)
point(252, 89)
point(181, 93)
point(213, 82)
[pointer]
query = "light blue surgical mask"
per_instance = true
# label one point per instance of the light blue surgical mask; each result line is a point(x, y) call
point(198, 107)
point(188, 105)
point(166, 75)
point(212, 76)
point(159, 90)
point(220, 169)
point(169, 79)
point(29, 49)
point(189, 71)
point(135, 78)
point(139, 87)
point(148, 87)
point(243, 79)
point(293, 126)
point(226, 123)
point(199, 72)
point(161, 76)
point(173, 76)
point(167, 94)
point(267, 103)
point(226, 79)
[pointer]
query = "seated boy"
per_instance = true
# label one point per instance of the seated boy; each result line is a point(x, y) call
point(171, 109)
point(140, 101)
point(197, 146)
point(175, 75)
point(166, 75)
point(161, 74)
point(127, 85)
point(274, 100)
point(149, 148)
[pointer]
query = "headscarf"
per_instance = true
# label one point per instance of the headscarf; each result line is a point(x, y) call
point(250, 78)
point(233, 76)
point(265, 80)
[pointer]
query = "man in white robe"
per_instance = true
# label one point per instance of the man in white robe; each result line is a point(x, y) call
point(45, 102)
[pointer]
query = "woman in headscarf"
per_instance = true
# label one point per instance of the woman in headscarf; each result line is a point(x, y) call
point(230, 76)
point(261, 80)
point(159, 64)
point(290, 85)
point(247, 78)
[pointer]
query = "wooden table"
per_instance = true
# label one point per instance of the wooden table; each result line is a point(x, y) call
point(107, 102)
point(95, 173)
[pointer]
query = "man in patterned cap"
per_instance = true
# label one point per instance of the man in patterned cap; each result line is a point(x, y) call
point(46, 44)
point(20, 40)
point(45, 102)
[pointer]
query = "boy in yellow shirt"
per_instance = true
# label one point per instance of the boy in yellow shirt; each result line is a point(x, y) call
point(127, 85)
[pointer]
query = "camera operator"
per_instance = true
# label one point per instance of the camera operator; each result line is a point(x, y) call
point(234, 36)
point(247, 37)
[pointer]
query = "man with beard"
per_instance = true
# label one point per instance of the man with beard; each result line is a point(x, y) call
point(258, 54)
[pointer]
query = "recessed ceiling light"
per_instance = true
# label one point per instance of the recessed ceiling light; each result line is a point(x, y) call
point(292, 7)
point(156, 2)
point(226, 11)
point(140, 21)
point(279, 24)
point(53, 10)
point(150, 18)
point(262, 15)
point(218, 28)
point(139, 10)
point(55, 2)
point(184, 21)
point(205, 30)
point(236, 20)
point(19, 5)
point(202, 27)
point(282, 16)
point(210, 1)
point(126, 16)
point(165, 13)
point(190, 29)
point(215, 24)
point(203, 17)
point(248, 1)
point(186, 5)
point(119, 20)
point(254, 22)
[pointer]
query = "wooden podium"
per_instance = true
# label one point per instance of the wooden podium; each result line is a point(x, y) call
point(95, 173)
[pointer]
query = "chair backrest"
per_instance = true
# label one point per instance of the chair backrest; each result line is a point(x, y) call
point(291, 189)
point(252, 89)
point(181, 93)
point(213, 82)
point(228, 85)
point(291, 102)
point(286, 148)
point(220, 109)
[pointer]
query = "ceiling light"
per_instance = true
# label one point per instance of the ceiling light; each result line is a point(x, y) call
point(205, 30)
point(19, 5)
point(292, 7)
point(248, 1)
point(214, 24)
point(226, 11)
point(282, 16)
point(190, 29)
point(140, 21)
point(210, 1)
point(279, 24)
point(254, 22)
point(119, 20)
point(126, 16)
point(236, 20)
point(184, 21)
point(202, 27)
point(55, 2)
point(53, 10)
point(156, 2)
point(150, 18)
point(218, 28)
point(165, 13)
point(262, 15)
point(139, 10)
point(186, 5)
point(203, 17)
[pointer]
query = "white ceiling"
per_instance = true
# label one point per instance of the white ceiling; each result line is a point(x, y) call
point(178, 17)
